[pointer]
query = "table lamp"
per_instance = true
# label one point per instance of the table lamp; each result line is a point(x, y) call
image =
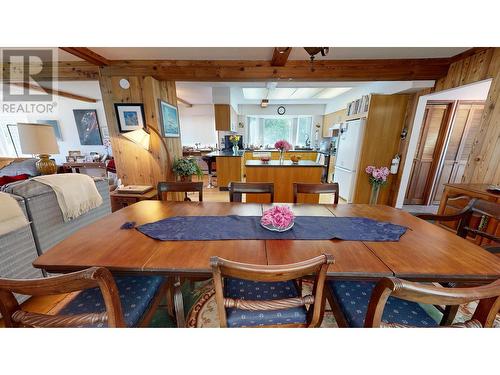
point(142, 137)
point(39, 139)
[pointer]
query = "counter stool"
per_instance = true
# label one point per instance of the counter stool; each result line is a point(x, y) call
point(210, 160)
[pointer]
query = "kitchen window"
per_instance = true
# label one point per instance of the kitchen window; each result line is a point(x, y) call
point(266, 131)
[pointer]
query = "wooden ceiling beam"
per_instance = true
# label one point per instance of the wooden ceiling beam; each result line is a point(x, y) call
point(87, 55)
point(251, 70)
point(280, 56)
point(64, 94)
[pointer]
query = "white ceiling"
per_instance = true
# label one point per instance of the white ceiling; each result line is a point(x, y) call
point(305, 92)
point(286, 93)
point(264, 53)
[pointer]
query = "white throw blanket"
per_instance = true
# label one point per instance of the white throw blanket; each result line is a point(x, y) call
point(11, 215)
point(76, 193)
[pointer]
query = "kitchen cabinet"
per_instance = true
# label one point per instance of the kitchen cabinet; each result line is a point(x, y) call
point(330, 119)
point(226, 118)
point(384, 123)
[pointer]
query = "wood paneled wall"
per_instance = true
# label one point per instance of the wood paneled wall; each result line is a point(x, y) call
point(135, 165)
point(484, 160)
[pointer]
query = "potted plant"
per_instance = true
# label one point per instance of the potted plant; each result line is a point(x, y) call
point(185, 168)
point(378, 178)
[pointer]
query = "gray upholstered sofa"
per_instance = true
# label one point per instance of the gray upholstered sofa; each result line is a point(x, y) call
point(17, 252)
point(45, 215)
point(20, 248)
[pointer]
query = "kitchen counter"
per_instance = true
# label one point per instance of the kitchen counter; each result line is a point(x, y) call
point(275, 150)
point(226, 154)
point(286, 163)
point(242, 152)
point(283, 176)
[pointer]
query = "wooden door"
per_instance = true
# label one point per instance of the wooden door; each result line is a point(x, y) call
point(463, 132)
point(427, 155)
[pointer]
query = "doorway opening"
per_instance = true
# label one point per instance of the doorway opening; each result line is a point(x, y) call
point(445, 142)
point(445, 127)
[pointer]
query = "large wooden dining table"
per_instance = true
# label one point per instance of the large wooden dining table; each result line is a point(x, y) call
point(425, 252)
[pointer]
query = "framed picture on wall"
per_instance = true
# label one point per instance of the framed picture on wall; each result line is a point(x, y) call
point(88, 127)
point(55, 125)
point(169, 120)
point(130, 116)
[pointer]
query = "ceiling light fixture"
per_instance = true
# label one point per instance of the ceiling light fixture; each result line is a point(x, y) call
point(313, 51)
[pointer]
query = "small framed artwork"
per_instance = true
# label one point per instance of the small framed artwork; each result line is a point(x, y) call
point(55, 125)
point(130, 116)
point(169, 120)
point(88, 127)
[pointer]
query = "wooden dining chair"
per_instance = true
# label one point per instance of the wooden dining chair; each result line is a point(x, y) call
point(394, 302)
point(250, 295)
point(104, 301)
point(237, 189)
point(180, 187)
point(299, 188)
point(476, 221)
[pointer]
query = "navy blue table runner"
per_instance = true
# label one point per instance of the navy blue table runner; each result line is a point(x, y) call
point(232, 227)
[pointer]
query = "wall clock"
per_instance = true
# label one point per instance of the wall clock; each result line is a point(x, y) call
point(281, 110)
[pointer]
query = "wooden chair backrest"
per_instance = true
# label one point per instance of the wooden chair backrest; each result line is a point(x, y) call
point(484, 316)
point(299, 188)
point(480, 219)
point(237, 189)
point(180, 187)
point(316, 266)
point(14, 316)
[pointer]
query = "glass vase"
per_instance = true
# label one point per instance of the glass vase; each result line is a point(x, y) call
point(374, 193)
point(282, 156)
point(235, 149)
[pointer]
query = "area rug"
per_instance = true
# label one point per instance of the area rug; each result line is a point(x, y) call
point(203, 313)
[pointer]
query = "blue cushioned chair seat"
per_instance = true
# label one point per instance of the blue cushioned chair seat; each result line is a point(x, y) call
point(136, 295)
point(256, 290)
point(354, 296)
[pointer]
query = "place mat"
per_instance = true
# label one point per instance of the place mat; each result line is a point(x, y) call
point(206, 228)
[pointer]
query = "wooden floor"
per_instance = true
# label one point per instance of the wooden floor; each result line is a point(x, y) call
point(51, 304)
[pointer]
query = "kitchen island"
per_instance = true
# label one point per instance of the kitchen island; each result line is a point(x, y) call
point(229, 167)
point(283, 175)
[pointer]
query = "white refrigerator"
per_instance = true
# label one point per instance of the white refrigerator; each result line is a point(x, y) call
point(346, 163)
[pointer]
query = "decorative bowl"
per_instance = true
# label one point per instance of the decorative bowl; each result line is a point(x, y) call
point(265, 159)
point(277, 229)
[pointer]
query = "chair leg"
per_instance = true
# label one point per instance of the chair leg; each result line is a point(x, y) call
point(450, 312)
point(337, 311)
point(170, 296)
point(179, 303)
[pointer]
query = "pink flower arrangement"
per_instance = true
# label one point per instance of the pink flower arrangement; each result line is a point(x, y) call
point(278, 217)
point(283, 145)
point(378, 176)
